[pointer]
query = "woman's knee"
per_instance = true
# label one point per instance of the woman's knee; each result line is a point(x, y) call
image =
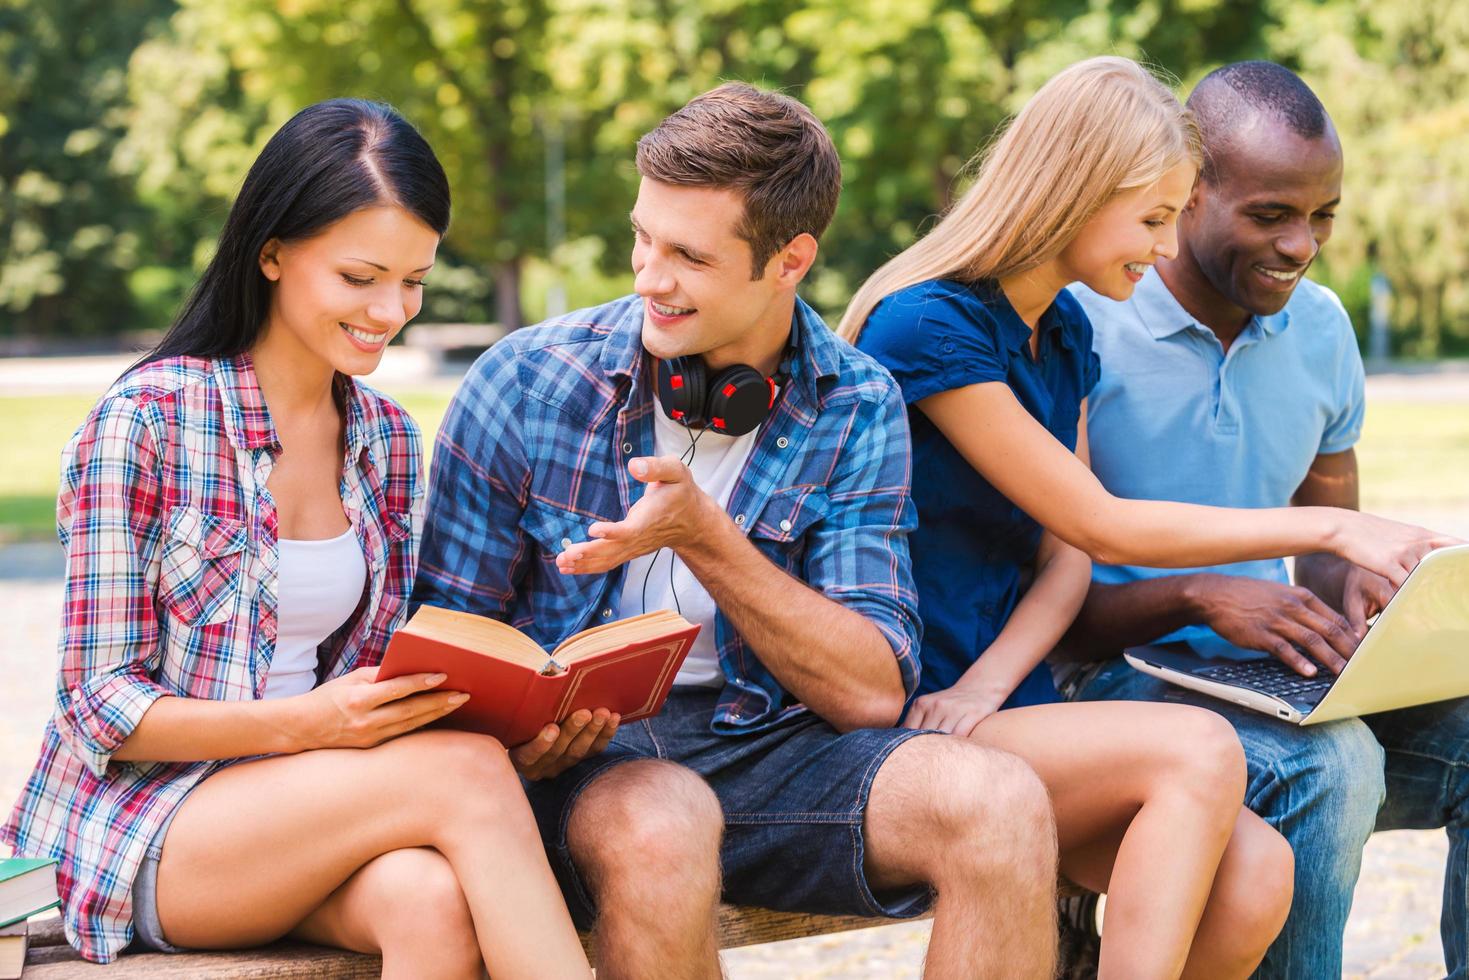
point(1203, 757)
point(1257, 893)
point(454, 769)
point(419, 909)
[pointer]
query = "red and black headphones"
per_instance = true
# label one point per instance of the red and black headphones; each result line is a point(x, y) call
point(733, 402)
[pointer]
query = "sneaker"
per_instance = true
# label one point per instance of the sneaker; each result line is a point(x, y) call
point(1079, 947)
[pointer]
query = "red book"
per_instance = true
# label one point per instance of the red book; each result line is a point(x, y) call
point(515, 688)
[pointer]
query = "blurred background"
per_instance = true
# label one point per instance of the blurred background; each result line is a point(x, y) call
point(126, 127)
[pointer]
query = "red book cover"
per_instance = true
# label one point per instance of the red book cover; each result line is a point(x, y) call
point(515, 688)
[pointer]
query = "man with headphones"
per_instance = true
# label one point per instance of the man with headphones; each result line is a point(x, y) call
point(709, 445)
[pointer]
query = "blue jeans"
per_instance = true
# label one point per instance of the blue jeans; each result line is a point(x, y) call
point(1326, 788)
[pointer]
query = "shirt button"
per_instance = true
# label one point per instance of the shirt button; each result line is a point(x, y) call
point(785, 525)
point(606, 613)
point(565, 543)
point(740, 519)
point(627, 447)
point(782, 442)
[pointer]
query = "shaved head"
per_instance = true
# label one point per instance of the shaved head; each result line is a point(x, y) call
point(1248, 97)
point(1265, 200)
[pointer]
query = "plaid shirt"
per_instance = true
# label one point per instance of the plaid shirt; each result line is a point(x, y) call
point(535, 446)
point(171, 558)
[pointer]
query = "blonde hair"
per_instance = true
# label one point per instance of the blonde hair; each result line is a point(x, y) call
point(1101, 126)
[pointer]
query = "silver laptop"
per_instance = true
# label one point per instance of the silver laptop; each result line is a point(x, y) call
point(1416, 652)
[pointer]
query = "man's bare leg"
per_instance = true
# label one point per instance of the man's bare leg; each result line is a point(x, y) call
point(645, 838)
point(976, 825)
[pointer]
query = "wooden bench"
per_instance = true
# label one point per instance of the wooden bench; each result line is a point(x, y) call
point(50, 958)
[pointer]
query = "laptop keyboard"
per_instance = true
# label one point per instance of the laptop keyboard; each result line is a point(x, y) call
point(1270, 676)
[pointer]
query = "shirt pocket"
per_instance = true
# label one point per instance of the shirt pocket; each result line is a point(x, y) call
point(780, 529)
point(554, 528)
point(202, 566)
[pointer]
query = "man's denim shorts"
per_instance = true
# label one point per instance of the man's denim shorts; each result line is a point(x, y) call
point(793, 798)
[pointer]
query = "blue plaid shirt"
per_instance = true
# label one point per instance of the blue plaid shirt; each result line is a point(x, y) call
point(535, 447)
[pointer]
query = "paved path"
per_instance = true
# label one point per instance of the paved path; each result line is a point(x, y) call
point(1393, 934)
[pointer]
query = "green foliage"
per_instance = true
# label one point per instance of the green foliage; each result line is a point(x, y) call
point(1396, 81)
point(112, 190)
point(70, 227)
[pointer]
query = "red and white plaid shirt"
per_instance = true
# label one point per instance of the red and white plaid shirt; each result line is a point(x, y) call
point(171, 561)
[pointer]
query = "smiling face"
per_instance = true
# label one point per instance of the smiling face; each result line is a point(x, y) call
point(693, 272)
point(341, 295)
point(1131, 231)
point(1254, 229)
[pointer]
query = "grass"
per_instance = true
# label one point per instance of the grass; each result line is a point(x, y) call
point(39, 426)
point(1414, 456)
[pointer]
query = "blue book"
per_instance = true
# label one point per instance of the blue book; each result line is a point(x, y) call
point(27, 886)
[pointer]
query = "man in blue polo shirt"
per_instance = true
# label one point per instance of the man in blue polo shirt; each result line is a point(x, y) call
point(1229, 379)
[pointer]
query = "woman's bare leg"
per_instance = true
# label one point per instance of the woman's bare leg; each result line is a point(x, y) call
point(259, 847)
point(429, 917)
point(1160, 787)
point(1247, 905)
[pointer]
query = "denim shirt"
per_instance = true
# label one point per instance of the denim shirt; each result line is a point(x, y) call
point(535, 446)
point(973, 545)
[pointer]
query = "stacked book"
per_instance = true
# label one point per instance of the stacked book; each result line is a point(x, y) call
point(27, 887)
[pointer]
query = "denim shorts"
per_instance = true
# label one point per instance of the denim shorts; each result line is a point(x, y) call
point(147, 930)
point(793, 797)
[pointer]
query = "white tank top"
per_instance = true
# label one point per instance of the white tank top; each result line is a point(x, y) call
point(718, 461)
point(318, 587)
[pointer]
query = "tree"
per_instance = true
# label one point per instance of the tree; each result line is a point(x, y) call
point(1396, 82)
point(69, 225)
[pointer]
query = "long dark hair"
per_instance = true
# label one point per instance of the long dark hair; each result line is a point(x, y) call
point(329, 160)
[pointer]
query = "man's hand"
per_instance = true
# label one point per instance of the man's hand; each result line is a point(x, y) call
point(1281, 620)
point(559, 747)
point(1363, 596)
point(669, 515)
point(957, 710)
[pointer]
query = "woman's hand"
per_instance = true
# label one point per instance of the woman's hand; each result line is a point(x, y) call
point(1386, 547)
point(357, 711)
point(957, 710)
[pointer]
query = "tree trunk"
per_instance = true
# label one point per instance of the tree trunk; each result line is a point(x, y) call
point(507, 294)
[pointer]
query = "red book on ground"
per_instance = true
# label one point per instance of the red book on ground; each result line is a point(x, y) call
point(515, 688)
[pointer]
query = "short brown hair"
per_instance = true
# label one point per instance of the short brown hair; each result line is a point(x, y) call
point(765, 145)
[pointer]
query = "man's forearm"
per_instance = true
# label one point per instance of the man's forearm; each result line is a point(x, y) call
point(1115, 617)
point(830, 657)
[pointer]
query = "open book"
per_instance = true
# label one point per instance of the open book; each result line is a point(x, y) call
point(515, 688)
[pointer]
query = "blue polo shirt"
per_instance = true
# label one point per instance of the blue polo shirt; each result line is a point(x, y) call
point(1176, 418)
point(972, 543)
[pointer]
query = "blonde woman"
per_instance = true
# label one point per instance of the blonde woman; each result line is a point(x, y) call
point(995, 362)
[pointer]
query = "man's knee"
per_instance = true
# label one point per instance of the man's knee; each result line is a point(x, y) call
point(963, 808)
point(655, 822)
point(1326, 781)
